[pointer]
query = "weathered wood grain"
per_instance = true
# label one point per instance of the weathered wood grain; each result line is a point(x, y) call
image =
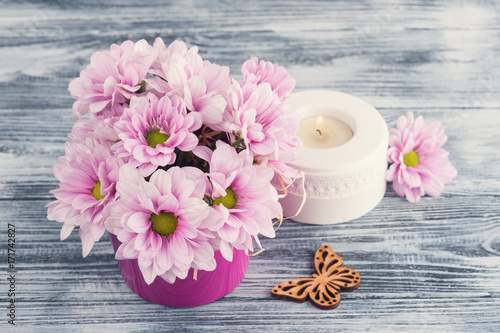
point(432, 266)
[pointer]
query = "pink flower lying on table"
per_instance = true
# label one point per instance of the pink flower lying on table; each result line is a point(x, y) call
point(419, 165)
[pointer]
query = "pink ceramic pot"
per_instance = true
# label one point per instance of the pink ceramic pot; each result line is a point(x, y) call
point(207, 288)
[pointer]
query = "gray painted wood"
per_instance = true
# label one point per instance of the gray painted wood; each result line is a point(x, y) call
point(431, 266)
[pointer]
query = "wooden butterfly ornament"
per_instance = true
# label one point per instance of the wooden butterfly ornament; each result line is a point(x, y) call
point(323, 288)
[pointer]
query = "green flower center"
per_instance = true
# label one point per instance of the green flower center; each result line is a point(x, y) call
point(411, 159)
point(96, 192)
point(228, 201)
point(156, 138)
point(164, 224)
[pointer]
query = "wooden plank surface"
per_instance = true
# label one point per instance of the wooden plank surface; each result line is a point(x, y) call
point(431, 266)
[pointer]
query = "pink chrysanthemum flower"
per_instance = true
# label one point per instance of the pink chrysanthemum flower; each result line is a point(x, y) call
point(242, 196)
point(285, 133)
point(99, 129)
point(160, 222)
point(112, 78)
point(257, 72)
point(151, 130)
point(254, 118)
point(162, 63)
point(87, 175)
point(201, 84)
point(419, 165)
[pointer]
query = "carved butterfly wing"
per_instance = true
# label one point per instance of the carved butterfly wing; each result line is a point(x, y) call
point(330, 265)
point(346, 279)
point(326, 261)
point(324, 296)
point(296, 290)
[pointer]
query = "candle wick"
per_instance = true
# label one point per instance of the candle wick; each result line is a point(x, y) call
point(320, 134)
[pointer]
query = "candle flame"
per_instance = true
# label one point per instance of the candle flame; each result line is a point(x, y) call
point(319, 125)
point(319, 122)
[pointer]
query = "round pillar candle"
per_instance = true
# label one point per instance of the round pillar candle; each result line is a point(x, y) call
point(343, 158)
point(323, 132)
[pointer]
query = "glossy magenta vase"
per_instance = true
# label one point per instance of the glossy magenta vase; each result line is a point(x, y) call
point(207, 288)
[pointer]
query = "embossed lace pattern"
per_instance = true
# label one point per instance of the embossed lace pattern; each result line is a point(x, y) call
point(343, 186)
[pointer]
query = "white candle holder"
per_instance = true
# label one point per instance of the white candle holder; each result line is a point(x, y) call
point(344, 182)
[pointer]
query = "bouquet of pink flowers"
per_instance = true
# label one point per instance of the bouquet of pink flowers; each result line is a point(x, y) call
point(177, 158)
